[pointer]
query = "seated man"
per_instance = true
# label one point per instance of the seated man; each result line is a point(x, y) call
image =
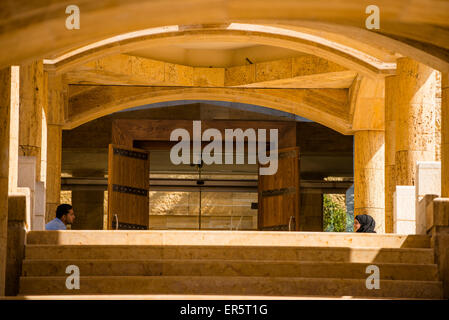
point(64, 216)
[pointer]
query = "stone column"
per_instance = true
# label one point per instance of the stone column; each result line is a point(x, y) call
point(438, 118)
point(30, 112)
point(53, 183)
point(55, 117)
point(5, 103)
point(390, 150)
point(439, 215)
point(414, 118)
point(369, 179)
point(445, 135)
point(14, 130)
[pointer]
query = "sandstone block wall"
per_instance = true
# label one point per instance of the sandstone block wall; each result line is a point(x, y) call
point(404, 216)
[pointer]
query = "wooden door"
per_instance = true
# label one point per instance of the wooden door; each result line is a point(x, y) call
point(128, 188)
point(279, 193)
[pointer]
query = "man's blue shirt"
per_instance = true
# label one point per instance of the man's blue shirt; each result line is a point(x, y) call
point(55, 224)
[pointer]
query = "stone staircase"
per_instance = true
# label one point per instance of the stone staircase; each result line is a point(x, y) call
point(229, 263)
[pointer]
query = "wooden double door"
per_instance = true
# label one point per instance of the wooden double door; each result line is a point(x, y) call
point(128, 191)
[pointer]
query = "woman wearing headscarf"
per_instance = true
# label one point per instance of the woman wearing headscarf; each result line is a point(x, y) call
point(364, 223)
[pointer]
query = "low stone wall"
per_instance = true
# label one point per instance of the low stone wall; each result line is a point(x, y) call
point(412, 207)
point(439, 232)
point(18, 211)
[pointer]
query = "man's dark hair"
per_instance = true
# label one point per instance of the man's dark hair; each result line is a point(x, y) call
point(62, 209)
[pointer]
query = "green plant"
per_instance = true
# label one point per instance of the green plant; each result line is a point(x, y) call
point(334, 215)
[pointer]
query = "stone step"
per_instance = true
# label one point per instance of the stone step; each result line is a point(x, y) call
point(213, 285)
point(172, 267)
point(300, 253)
point(227, 238)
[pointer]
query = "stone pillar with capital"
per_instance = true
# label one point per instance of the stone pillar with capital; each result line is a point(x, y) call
point(414, 118)
point(32, 100)
point(445, 135)
point(56, 97)
point(390, 150)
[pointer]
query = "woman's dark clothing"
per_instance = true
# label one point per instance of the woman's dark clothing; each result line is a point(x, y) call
point(367, 223)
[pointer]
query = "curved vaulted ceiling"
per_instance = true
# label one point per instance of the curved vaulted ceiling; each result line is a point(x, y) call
point(333, 32)
point(35, 30)
point(240, 33)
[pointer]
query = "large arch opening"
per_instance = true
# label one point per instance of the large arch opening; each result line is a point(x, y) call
point(329, 107)
point(287, 98)
point(228, 199)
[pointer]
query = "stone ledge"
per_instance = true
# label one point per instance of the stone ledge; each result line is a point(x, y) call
point(19, 205)
point(229, 238)
point(441, 212)
point(426, 204)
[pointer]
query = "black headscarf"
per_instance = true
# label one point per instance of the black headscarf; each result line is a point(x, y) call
point(367, 223)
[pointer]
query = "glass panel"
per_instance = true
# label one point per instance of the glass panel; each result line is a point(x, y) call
point(219, 210)
point(173, 210)
point(228, 210)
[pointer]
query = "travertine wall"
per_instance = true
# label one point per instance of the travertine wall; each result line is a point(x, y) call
point(428, 187)
point(5, 101)
point(412, 125)
point(404, 214)
point(438, 117)
point(414, 118)
point(66, 196)
point(445, 135)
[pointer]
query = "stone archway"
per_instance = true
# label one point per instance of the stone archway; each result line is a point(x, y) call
point(353, 59)
point(305, 103)
point(420, 24)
